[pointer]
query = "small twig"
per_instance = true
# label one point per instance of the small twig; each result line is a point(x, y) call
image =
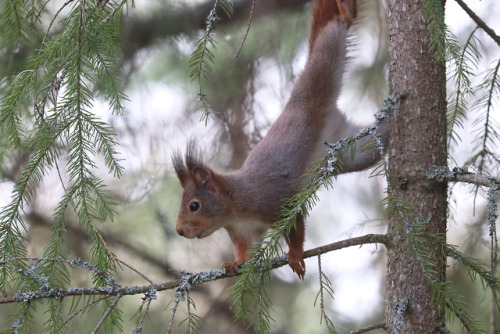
point(51, 23)
point(108, 311)
point(492, 313)
point(380, 325)
point(114, 10)
point(247, 31)
point(103, 4)
point(111, 255)
point(136, 271)
point(37, 18)
point(321, 299)
point(85, 307)
point(479, 22)
point(142, 316)
point(328, 322)
point(174, 310)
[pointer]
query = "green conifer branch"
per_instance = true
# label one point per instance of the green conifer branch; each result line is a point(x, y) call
point(12, 105)
point(462, 61)
point(79, 62)
point(433, 12)
point(55, 319)
point(11, 222)
point(325, 286)
point(488, 130)
point(202, 58)
point(193, 322)
point(112, 316)
point(474, 269)
point(14, 22)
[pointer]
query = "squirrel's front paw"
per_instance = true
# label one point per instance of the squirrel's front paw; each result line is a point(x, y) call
point(296, 262)
point(231, 268)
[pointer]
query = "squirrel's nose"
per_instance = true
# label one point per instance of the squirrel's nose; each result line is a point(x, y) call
point(180, 232)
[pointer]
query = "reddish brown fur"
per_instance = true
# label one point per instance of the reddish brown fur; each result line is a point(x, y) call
point(247, 201)
point(325, 10)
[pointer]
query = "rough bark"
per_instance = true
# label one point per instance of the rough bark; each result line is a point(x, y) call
point(418, 140)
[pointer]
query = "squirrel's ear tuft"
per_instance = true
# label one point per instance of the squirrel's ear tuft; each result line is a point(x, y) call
point(191, 168)
point(180, 169)
point(193, 156)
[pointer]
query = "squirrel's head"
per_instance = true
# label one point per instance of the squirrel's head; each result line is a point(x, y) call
point(203, 206)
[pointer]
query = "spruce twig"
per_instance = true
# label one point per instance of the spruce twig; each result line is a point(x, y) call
point(478, 21)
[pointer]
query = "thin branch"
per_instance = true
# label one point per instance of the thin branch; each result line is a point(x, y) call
point(174, 311)
point(108, 311)
point(247, 31)
point(358, 241)
point(135, 270)
point(140, 321)
point(369, 328)
point(51, 23)
point(114, 10)
point(324, 283)
point(479, 22)
point(8, 300)
point(84, 308)
point(191, 278)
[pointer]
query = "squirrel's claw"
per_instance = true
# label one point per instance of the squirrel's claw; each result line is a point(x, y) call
point(231, 268)
point(298, 266)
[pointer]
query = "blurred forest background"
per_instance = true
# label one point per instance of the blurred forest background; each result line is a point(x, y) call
point(245, 94)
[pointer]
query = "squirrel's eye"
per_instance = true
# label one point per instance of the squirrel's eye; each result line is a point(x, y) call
point(194, 206)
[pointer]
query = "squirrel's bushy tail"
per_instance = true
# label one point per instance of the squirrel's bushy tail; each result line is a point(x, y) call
point(325, 11)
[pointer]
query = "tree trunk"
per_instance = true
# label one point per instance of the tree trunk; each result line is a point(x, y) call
point(418, 140)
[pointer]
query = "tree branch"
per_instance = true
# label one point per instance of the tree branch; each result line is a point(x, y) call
point(478, 21)
point(188, 279)
point(476, 179)
point(357, 241)
point(442, 173)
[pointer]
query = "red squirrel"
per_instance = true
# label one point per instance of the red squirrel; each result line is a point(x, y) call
point(246, 202)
